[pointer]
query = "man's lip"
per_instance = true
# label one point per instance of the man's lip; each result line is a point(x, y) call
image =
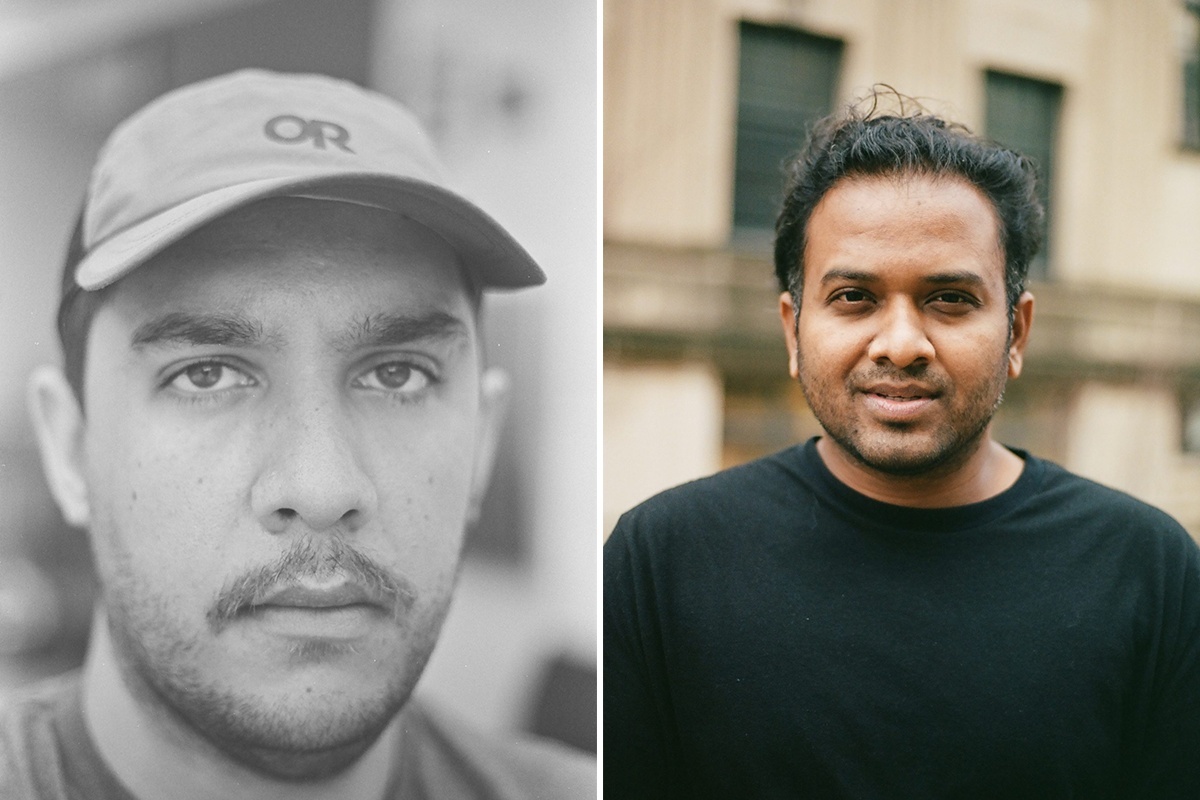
point(901, 392)
point(302, 596)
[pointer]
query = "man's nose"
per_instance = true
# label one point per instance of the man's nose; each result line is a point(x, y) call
point(312, 475)
point(901, 338)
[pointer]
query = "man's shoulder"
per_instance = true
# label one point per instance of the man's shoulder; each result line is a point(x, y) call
point(753, 485)
point(726, 511)
point(1071, 494)
point(28, 740)
point(458, 760)
point(1079, 511)
point(28, 713)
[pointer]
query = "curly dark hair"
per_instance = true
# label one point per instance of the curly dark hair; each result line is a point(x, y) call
point(861, 141)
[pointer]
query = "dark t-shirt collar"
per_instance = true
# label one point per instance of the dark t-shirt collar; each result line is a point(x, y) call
point(928, 520)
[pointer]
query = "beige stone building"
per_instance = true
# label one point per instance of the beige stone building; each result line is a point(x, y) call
point(704, 98)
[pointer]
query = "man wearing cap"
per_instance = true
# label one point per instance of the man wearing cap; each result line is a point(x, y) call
point(274, 421)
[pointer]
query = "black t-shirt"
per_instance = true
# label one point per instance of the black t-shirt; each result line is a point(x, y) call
point(769, 632)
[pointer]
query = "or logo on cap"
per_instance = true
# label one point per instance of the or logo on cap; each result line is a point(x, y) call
point(290, 129)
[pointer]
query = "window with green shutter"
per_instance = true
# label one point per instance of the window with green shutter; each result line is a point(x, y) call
point(1190, 64)
point(1023, 114)
point(787, 79)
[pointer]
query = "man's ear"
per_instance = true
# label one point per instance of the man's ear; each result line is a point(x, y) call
point(787, 315)
point(1022, 322)
point(493, 402)
point(59, 424)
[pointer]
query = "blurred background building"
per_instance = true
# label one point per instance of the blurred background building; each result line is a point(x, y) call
point(509, 93)
point(703, 102)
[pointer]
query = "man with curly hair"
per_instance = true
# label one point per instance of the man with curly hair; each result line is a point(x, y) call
point(903, 606)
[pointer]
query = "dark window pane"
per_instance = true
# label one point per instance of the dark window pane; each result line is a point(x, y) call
point(1191, 102)
point(1023, 114)
point(786, 81)
point(1190, 63)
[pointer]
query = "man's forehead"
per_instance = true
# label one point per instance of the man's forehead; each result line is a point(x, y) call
point(907, 184)
point(858, 208)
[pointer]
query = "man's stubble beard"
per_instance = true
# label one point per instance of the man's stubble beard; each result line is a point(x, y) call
point(952, 446)
point(157, 662)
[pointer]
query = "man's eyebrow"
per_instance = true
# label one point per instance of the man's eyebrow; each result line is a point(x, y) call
point(957, 277)
point(848, 275)
point(938, 278)
point(387, 329)
point(181, 327)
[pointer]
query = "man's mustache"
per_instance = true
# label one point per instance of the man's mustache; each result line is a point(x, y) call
point(310, 562)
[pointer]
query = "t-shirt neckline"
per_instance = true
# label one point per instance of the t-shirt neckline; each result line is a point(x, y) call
point(927, 520)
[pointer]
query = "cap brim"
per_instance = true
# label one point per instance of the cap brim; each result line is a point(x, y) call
point(487, 250)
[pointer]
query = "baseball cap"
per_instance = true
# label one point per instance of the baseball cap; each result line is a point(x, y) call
point(203, 150)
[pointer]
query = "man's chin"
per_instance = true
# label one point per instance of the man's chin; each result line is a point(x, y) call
point(312, 722)
point(903, 454)
point(307, 751)
point(305, 735)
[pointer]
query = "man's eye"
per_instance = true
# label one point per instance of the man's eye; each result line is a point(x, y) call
point(395, 376)
point(952, 299)
point(851, 296)
point(208, 377)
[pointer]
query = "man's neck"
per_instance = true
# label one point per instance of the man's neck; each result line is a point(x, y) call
point(158, 757)
point(987, 472)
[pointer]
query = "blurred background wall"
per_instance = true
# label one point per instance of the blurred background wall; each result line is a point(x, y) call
point(704, 101)
point(509, 94)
